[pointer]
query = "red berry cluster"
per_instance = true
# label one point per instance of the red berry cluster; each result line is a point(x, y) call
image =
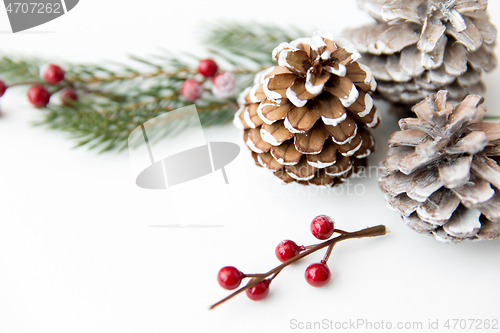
point(223, 84)
point(38, 93)
point(287, 251)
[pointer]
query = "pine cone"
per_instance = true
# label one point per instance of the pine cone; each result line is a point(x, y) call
point(441, 172)
point(418, 47)
point(306, 119)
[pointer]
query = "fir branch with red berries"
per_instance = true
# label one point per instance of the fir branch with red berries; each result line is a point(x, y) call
point(99, 105)
point(288, 252)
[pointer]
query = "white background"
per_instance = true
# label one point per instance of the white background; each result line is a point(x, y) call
point(79, 251)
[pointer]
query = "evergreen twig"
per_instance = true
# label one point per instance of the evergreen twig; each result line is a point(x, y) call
point(253, 42)
point(116, 98)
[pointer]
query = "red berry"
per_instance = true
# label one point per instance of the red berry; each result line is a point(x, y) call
point(322, 227)
point(230, 277)
point(259, 291)
point(68, 95)
point(207, 67)
point(191, 90)
point(318, 275)
point(53, 74)
point(3, 88)
point(38, 96)
point(286, 250)
point(224, 85)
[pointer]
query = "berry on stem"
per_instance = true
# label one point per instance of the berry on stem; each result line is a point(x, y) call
point(287, 249)
point(53, 74)
point(38, 96)
point(68, 95)
point(191, 90)
point(322, 227)
point(318, 275)
point(230, 277)
point(3, 88)
point(259, 291)
point(207, 67)
point(224, 85)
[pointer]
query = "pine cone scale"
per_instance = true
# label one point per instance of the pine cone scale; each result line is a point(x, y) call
point(303, 119)
point(270, 111)
point(423, 185)
point(464, 225)
point(487, 169)
point(432, 30)
point(472, 143)
point(275, 134)
point(439, 207)
point(455, 59)
point(286, 153)
point(326, 158)
point(475, 194)
point(470, 37)
point(457, 173)
point(490, 208)
point(312, 141)
point(491, 130)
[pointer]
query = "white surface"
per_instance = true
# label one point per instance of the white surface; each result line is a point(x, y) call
point(78, 253)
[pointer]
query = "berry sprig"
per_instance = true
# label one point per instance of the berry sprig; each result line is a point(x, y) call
point(100, 104)
point(39, 93)
point(288, 252)
point(223, 85)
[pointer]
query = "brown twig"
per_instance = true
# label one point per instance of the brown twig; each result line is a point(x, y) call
point(368, 232)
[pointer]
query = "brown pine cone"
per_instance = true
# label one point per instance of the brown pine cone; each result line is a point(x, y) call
point(306, 119)
point(441, 172)
point(418, 47)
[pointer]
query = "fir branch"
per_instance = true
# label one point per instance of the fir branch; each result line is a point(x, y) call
point(17, 71)
point(116, 98)
point(107, 125)
point(254, 42)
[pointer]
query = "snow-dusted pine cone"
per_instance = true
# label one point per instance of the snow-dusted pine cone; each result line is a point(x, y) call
point(442, 171)
point(306, 119)
point(418, 47)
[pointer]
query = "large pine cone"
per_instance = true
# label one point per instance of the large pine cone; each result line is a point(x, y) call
point(418, 47)
point(442, 171)
point(306, 119)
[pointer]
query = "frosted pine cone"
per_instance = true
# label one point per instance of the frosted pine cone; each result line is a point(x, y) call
point(442, 171)
point(418, 47)
point(306, 119)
